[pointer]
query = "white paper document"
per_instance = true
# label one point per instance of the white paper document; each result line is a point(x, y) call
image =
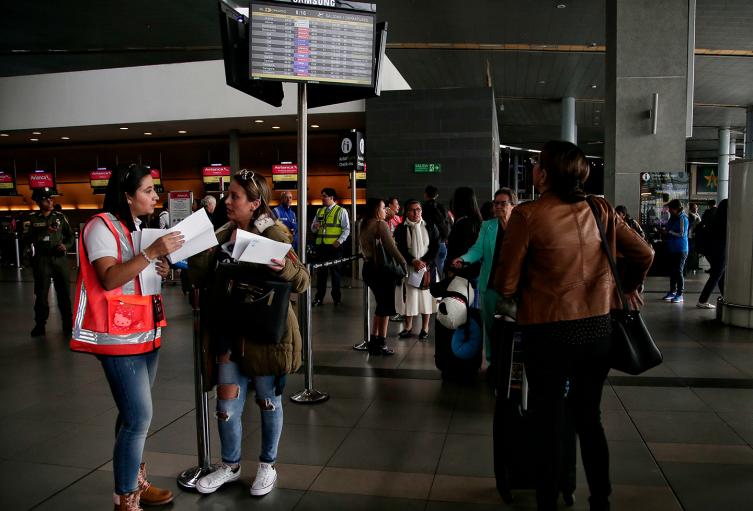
point(198, 235)
point(150, 280)
point(258, 249)
point(415, 278)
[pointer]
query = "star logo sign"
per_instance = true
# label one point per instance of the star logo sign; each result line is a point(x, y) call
point(711, 180)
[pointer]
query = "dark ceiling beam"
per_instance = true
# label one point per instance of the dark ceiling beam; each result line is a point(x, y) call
point(544, 48)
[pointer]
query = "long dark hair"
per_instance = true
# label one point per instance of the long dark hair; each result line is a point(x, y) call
point(566, 168)
point(372, 208)
point(126, 179)
point(464, 204)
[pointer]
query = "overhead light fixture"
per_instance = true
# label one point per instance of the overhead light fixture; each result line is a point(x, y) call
point(147, 133)
point(65, 138)
point(314, 125)
point(34, 139)
point(123, 128)
point(259, 121)
point(36, 132)
point(182, 132)
point(275, 127)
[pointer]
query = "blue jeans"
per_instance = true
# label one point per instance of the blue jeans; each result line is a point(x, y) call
point(677, 272)
point(439, 260)
point(131, 379)
point(232, 388)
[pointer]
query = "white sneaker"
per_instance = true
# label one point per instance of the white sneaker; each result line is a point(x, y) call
point(266, 476)
point(221, 474)
point(705, 305)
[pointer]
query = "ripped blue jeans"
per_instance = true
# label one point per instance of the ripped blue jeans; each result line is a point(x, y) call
point(232, 388)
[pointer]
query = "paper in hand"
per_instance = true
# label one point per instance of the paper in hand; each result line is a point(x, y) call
point(258, 249)
point(150, 280)
point(198, 235)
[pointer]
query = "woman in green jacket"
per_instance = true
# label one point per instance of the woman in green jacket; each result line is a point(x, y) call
point(265, 366)
point(487, 249)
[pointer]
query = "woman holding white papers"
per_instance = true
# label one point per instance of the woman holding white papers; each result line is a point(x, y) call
point(419, 244)
point(120, 325)
point(263, 365)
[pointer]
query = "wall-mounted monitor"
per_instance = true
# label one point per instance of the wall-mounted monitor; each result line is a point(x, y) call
point(296, 42)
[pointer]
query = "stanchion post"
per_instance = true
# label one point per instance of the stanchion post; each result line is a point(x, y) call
point(364, 345)
point(18, 251)
point(308, 395)
point(188, 478)
point(75, 244)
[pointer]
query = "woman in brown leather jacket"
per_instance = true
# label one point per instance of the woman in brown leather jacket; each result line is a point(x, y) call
point(552, 261)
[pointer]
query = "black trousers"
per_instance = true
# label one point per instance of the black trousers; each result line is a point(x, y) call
point(327, 253)
point(56, 268)
point(549, 363)
point(718, 260)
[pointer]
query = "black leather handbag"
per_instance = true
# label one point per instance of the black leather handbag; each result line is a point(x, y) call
point(386, 264)
point(251, 303)
point(633, 349)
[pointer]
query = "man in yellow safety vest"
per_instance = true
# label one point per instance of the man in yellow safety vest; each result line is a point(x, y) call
point(331, 227)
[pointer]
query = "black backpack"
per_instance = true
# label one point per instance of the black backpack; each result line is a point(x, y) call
point(435, 214)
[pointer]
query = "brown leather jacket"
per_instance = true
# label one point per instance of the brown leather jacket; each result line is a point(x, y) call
point(553, 262)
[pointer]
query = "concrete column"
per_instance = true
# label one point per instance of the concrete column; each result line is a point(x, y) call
point(749, 133)
point(567, 121)
point(722, 174)
point(644, 58)
point(235, 152)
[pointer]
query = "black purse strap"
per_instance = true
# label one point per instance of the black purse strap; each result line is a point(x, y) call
point(610, 257)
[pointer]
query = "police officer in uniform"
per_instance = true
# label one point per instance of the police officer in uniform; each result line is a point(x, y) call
point(331, 228)
point(51, 236)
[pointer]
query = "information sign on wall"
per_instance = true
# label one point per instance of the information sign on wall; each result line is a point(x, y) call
point(99, 178)
point(7, 184)
point(179, 204)
point(285, 172)
point(41, 179)
point(427, 168)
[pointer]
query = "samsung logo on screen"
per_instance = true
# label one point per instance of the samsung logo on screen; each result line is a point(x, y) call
point(322, 3)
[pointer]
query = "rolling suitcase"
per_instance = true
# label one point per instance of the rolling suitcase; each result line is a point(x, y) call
point(453, 367)
point(513, 432)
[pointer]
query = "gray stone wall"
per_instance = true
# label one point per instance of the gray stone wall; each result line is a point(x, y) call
point(453, 127)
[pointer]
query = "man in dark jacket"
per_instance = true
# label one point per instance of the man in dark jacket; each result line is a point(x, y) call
point(435, 214)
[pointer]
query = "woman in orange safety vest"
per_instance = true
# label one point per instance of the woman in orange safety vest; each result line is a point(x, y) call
point(122, 327)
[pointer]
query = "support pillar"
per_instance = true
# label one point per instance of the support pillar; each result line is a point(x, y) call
point(643, 58)
point(723, 168)
point(749, 133)
point(235, 152)
point(567, 122)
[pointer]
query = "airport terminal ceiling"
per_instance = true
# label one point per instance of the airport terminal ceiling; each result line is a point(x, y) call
point(533, 53)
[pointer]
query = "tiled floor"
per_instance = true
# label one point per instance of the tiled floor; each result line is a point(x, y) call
point(392, 436)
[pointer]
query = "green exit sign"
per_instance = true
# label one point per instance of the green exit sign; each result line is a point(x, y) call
point(427, 168)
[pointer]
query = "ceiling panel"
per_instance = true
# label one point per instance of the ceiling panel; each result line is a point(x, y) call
point(724, 24)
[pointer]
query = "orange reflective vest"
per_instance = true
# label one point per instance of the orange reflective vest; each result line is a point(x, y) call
point(116, 322)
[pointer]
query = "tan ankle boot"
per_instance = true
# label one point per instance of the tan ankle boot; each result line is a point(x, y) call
point(129, 502)
point(151, 495)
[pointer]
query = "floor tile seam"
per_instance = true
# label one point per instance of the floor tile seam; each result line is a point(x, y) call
point(667, 482)
point(717, 413)
point(71, 484)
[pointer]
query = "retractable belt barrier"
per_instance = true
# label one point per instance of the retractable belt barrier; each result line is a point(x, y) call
point(309, 395)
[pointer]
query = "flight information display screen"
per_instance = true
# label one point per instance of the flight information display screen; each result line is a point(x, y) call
point(311, 44)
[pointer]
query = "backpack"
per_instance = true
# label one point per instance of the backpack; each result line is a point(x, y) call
point(435, 214)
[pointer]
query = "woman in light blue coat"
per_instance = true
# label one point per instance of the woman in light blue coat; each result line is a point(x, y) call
point(487, 250)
